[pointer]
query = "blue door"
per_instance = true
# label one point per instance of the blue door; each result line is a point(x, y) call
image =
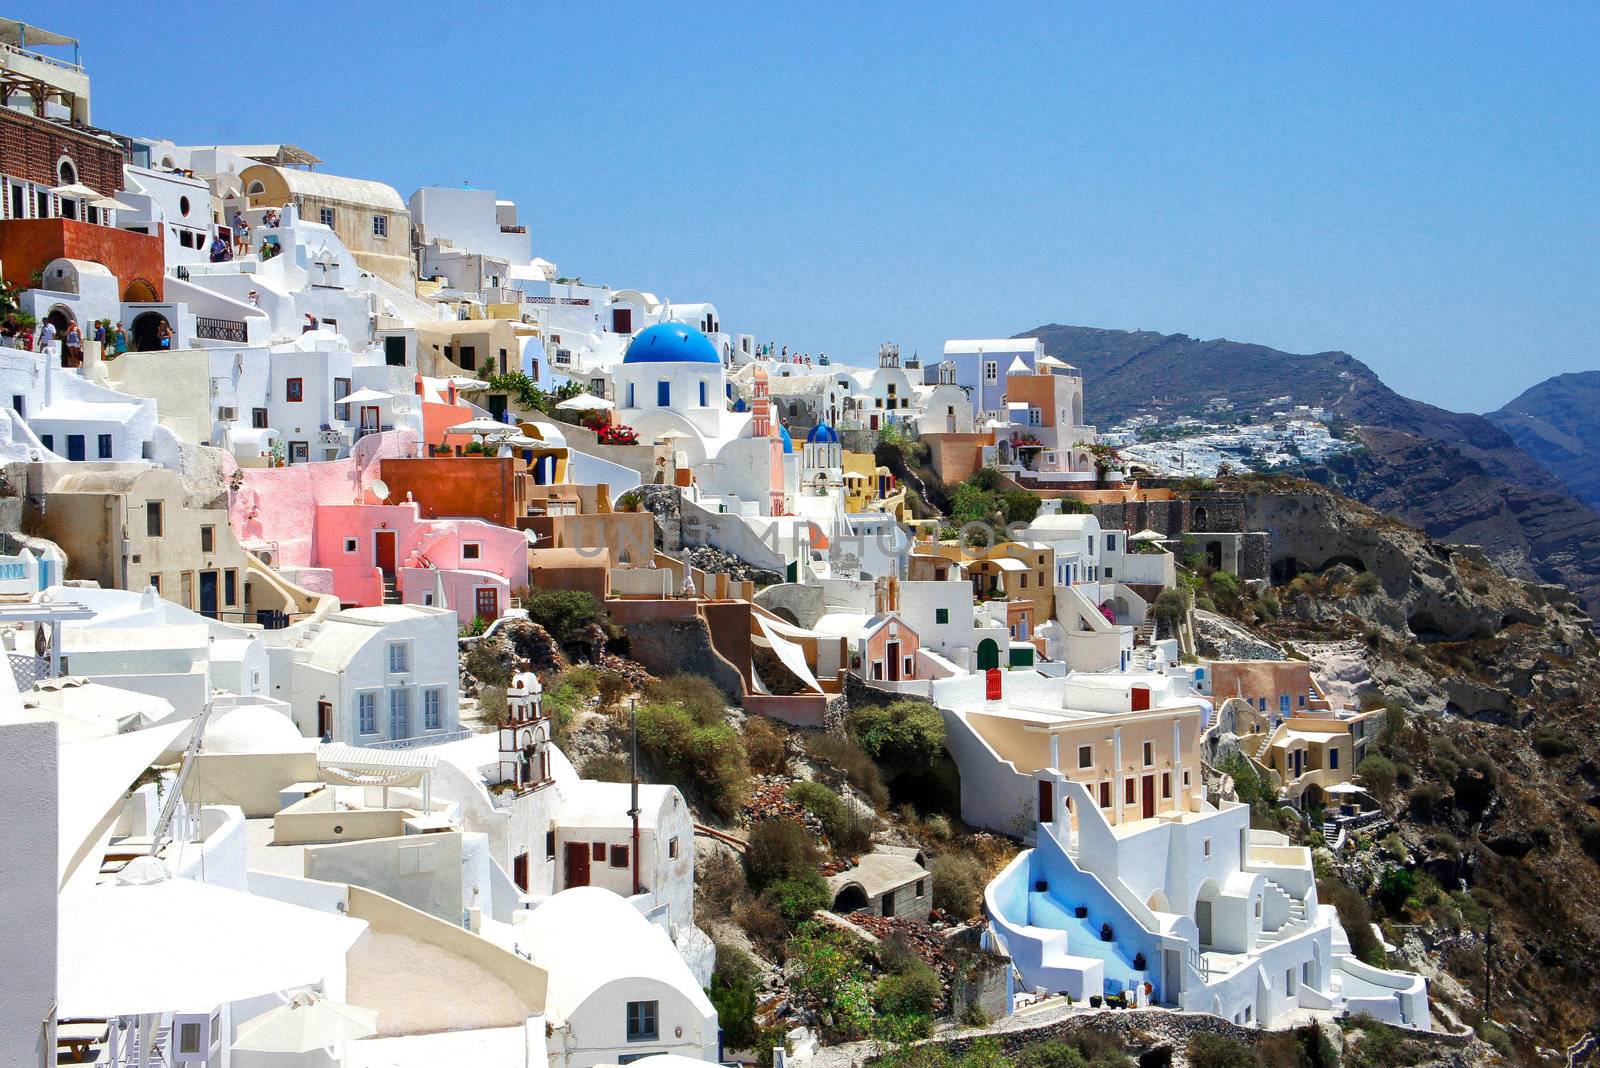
point(399, 714)
point(75, 450)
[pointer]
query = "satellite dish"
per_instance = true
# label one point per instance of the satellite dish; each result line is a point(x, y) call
point(380, 489)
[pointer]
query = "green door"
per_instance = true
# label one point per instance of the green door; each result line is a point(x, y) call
point(1021, 656)
point(988, 654)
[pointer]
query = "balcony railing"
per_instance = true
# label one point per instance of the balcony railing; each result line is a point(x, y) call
point(208, 329)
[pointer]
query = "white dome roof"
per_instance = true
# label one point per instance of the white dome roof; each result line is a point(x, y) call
point(253, 729)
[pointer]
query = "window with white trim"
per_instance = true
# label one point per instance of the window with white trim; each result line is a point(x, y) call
point(432, 709)
point(367, 712)
point(399, 657)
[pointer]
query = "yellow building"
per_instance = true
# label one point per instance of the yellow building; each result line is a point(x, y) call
point(869, 487)
point(369, 217)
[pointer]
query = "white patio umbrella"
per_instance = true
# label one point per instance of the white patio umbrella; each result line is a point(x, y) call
point(76, 190)
point(111, 204)
point(519, 441)
point(366, 396)
point(1147, 535)
point(482, 426)
point(672, 435)
point(467, 384)
point(585, 402)
point(308, 1022)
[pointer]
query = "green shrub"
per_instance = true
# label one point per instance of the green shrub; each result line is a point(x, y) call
point(606, 767)
point(901, 734)
point(491, 661)
point(779, 849)
point(733, 994)
point(911, 992)
point(1219, 1051)
point(695, 694)
point(492, 704)
point(707, 762)
point(1051, 1053)
point(1377, 773)
point(566, 614)
point(767, 746)
point(847, 759)
point(829, 972)
point(847, 832)
point(1395, 885)
point(1355, 917)
point(1367, 584)
point(797, 897)
point(1550, 742)
point(958, 881)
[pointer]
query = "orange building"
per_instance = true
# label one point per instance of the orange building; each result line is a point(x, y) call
point(138, 261)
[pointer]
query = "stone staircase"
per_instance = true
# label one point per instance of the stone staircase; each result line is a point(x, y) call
point(391, 590)
point(1297, 920)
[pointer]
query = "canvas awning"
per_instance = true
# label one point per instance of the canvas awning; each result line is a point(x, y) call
point(95, 776)
point(19, 33)
point(366, 396)
point(789, 653)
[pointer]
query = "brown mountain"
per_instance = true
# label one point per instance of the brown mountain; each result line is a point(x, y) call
point(1457, 476)
point(1555, 423)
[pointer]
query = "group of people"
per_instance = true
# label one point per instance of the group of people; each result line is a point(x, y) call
point(222, 250)
point(112, 339)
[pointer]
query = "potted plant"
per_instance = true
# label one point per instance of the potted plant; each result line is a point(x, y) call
point(1081, 911)
point(1094, 1001)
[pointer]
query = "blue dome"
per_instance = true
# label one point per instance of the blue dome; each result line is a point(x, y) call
point(822, 434)
point(671, 343)
point(788, 442)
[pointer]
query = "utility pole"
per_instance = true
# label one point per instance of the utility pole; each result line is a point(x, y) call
point(1488, 962)
point(633, 776)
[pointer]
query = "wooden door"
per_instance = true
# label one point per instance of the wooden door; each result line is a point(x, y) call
point(1149, 796)
point(1047, 801)
point(383, 550)
point(519, 871)
point(324, 719)
point(622, 320)
point(577, 865)
point(208, 594)
point(893, 657)
point(1141, 698)
point(487, 605)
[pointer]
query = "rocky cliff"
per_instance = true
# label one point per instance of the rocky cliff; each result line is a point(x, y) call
point(1491, 766)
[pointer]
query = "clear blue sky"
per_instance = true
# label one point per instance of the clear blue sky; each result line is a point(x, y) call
point(1417, 186)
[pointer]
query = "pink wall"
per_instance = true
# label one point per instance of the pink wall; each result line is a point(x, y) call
point(418, 543)
point(279, 504)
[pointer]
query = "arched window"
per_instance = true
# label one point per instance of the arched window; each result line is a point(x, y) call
point(256, 188)
point(67, 171)
point(183, 206)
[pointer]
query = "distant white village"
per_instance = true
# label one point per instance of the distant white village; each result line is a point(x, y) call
point(350, 553)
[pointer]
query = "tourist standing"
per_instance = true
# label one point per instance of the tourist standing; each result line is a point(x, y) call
point(119, 339)
point(74, 346)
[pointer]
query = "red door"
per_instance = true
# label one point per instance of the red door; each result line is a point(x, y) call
point(1149, 797)
point(991, 684)
point(577, 864)
point(383, 550)
point(893, 656)
point(1141, 698)
point(324, 719)
point(1047, 806)
point(622, 320)
point(488, 603)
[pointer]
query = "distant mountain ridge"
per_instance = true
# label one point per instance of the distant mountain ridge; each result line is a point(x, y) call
point(1457, 476)
point(1557, 422)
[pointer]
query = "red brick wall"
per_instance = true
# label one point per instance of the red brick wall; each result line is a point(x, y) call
point(27, 245)
point(30, 148)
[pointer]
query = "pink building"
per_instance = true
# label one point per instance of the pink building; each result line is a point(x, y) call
point(378, 553)
point(321, 526)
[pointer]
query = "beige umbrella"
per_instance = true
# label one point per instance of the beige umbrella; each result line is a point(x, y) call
point(308, 1022)
point(672, 435)
point(76, 190)
point(1147, 535)
point(482, 426)
point(585, 402)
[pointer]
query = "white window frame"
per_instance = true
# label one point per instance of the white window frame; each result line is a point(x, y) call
point(475, 554)
point(433, 709)
point(380, 226)
point(403, 659)
point(991, 371)
point(326, 217)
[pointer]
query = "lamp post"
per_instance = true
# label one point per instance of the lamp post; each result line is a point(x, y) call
point(633, 783)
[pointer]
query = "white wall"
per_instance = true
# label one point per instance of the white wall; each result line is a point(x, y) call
point(28, 840)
